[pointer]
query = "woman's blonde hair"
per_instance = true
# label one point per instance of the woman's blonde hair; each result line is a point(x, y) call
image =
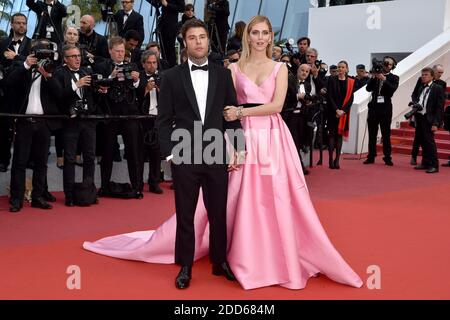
point(245, 38)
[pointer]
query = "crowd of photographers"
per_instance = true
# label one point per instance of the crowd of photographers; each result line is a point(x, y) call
point(86, 89)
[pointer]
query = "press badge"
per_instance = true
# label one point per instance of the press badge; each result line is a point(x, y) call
point(380, 99)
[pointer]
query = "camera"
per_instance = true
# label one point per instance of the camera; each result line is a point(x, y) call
point(78, 108)
point(156, 78)
point(318, 63)
point(415, 107)
point(156, 3)
point(377, 66)
point(124, 73)
point(46, 53)
point(97, 80)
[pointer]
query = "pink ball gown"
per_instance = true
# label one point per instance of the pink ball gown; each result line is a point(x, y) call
point(274, 234)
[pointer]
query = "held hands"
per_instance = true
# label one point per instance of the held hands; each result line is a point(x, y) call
point(339, 113)
point(85, 81)
point(232, 113)
point(9, 54)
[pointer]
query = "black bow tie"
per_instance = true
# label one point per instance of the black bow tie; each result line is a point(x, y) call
point(126, 14)
point(13, 43)
point(204, 68)
point(302, 82)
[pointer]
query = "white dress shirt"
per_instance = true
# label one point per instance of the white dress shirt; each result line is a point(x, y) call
point(153, 108)
point(200, 80)
point(423, 100)
point(17, 45)
point(126, 15)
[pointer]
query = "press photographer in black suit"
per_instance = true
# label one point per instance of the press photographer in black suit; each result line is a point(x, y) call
point(218, 11)
point(76, 99)
point(14, 48)
point(94, 45)
point(127, 19)
point(428, 104)
point(121, 99)
point(168, 26)
point(383, 85)
point(49, 19)
point(34, 86)
point(148, 101)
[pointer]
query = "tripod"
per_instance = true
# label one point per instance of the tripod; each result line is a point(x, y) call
point(157, 36)
point(111, 29)
point(214, 37)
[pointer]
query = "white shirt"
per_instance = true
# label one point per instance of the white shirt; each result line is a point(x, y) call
point(153, 108)
point(17, 45)
point(49, 7)
point(125, 17)
point(74, 85)
point(200, 80)
point(423, 99)
point(301, 89)
point(34, 98)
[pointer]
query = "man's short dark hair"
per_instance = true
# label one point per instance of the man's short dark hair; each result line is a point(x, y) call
point(133, 34)
point(193, 23)
point(361, 67)
point(333, 67)
point(153, 44)
point(146, 54)
point(308, 40)
point(231, 52)
point(18, 14)
point(68, 47)
point(428, 69)
point(188, 7)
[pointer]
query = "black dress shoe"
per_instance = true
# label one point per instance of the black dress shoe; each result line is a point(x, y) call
point(69, 202)
point(183, 278)
point(154, 188)
point(336, 165)
point(3, 167)
point(421, 167)
point(16, 205)
point(413, 161)
point(47, 196)
point(223, 269)
point(432, 170)
point(40, 203)
point(369, 161)
point(388, 162)
point(139, 195)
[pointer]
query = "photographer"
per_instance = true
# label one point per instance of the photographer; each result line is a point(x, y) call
point(427, 108)
point(303, 45)
point(148, 100)
point(120, 99)
point(14, 48)
point(76, 99)
point(216, 17)
point(168, 26)
point(34, 85)
point(126, 19)
point(49, 19)
point(383, 85)
point(93, 45)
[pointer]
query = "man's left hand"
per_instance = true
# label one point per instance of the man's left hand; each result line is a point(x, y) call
point(135, 76)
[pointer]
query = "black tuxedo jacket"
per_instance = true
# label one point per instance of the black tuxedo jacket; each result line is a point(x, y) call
point(435, 103)
point(387, 91)
point(24, 51)
point(95, 44)
point(144, 100)
point(20, 79)
point(169, 14)
point(135, 21)
point(178, 105)
point(58, 12)
point(65, 94)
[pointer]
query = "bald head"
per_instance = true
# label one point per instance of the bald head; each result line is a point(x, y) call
point(87, 24)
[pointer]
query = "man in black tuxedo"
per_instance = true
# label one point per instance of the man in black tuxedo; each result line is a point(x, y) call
point(383, 86)
point(218, 12)
point(94, 45)
point(193, 97)
point(76, 98)
point(35, 89)
point(127, 19)
point(148, 100)
point(121, 99)
point(14, 48)
point(431, 97)
point(162, 63)
point(168, 26)
point(49, 16)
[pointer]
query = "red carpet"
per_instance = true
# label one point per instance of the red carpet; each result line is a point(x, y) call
point(395, 218)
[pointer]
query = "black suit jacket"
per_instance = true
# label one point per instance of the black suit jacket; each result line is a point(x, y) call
point(58, 12)
point(135, 21)
point(435, 103)
point(20, 79)
point(24, 51)
point(144, 100)
point(65, 94)
point(387, 91)
point(95, 44)
point(169, 14)
point(178, 105)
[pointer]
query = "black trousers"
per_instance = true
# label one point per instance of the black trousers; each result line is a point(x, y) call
point(168, 37)
point(214, 183)
point(154, 155)
point(298, 126)
point(132, 137)
point(426, 138)
point(32, 142)
point(384, 122)
point(78, 133)
point(6, 136)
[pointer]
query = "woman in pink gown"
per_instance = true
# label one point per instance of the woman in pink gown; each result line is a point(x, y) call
point(274, 234)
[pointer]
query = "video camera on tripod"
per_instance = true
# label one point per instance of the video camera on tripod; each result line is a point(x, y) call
point(111, 29)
